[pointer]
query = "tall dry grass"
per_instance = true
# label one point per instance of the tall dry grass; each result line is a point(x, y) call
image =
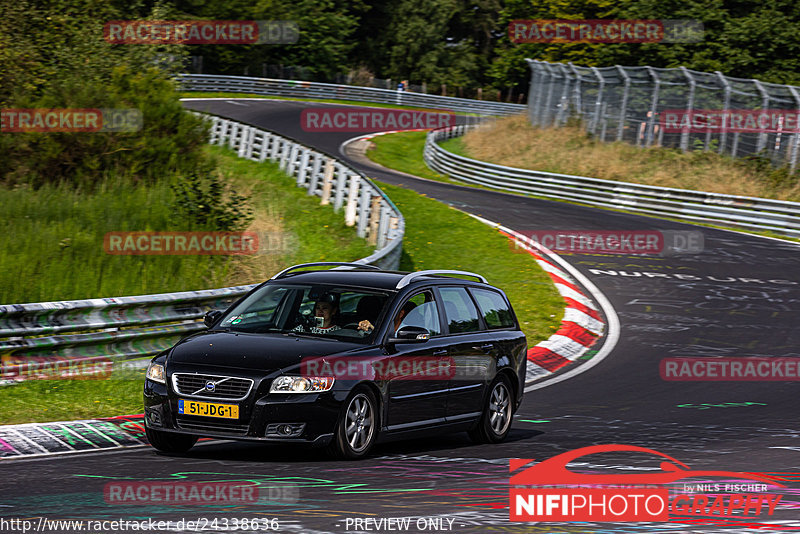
point(569, 150)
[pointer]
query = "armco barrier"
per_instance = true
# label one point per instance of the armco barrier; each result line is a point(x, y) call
point(778, 216)
point(124, 328)
point(315, 90)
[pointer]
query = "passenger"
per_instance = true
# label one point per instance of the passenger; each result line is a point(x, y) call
point(366, 326)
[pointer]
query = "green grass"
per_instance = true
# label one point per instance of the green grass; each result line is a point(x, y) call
point(440, 237)
point(51, 239)
point(392, 150)
point(37, 401)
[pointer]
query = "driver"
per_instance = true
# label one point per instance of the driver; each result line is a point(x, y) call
point(325, 310)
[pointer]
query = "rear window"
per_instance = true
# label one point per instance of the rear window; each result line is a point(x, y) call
point(494, 308)
point(460, 311)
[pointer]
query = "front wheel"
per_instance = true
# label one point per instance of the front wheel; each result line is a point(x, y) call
point(168, 441)
point(495, 421)
point(357, 428)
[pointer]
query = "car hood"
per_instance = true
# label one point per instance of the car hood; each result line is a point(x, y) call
point(263, 352)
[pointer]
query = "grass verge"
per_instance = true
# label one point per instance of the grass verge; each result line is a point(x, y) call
point(512, 141)
point(51, 239)
point(388, 150)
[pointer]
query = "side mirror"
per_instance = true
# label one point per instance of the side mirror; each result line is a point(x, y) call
point(410, 334)
point(212, 317)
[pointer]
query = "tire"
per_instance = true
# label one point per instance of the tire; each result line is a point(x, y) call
point(357, 427)
point(169, 442)
point(498, 409)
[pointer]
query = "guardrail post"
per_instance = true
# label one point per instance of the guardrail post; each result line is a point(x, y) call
point(374, 219)
point(689, 106)
point(216, 127)
point(352, 201)
point(264, 152)
point(327, 183)
point(302, 172)
point(234, 129)
point(246, 143)
point(383, 227)
point(316, 173)
point(274, 152)
point(363, 210)
point(341, 185)
point(624, 105)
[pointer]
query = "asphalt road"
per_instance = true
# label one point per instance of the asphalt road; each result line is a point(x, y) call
point(739, 297)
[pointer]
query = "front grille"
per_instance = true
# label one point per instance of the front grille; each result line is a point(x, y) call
point(225, 387)
point(204, 425)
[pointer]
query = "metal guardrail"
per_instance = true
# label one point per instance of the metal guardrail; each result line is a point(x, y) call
point(316, 90)
point(124, 328)
point(779, 216)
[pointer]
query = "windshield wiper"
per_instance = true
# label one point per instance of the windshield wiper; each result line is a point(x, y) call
point(301, 334)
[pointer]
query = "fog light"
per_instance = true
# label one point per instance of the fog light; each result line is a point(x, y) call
point(153, 417)
point(285, 430)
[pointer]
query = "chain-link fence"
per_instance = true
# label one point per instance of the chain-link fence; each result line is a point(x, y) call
point(678, 108)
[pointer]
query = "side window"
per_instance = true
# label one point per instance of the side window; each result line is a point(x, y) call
point(420, 310)
point(494, 308)
point(459, 309)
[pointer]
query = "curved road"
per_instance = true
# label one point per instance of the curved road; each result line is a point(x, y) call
point(739, 297)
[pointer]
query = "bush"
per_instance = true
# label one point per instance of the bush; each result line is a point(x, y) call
point(169, 141)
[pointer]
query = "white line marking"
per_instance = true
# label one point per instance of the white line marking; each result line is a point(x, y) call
point(563, 346)
point(578, 317)
point(568, 292)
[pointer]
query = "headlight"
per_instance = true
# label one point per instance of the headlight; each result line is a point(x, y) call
point(155, 372)
point(301, 384)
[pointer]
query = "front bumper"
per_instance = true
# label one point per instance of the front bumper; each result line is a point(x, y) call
point(310, 417)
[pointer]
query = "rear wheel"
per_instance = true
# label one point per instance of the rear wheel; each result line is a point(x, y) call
point(168, 441)
point(495, 421)
point(357, 428)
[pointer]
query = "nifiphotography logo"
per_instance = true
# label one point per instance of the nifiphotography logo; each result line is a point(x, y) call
point(632, 497)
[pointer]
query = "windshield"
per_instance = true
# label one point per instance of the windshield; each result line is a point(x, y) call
point(309, 310)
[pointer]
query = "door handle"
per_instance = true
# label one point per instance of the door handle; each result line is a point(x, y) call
point(440, 352)
point(485, 348)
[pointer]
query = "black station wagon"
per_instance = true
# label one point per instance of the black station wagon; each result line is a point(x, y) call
point(343, 358)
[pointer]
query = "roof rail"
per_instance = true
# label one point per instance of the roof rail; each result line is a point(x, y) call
point(324, 263)
point(407, 279)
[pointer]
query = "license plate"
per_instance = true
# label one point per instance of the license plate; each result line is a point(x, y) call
point(208, 409)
